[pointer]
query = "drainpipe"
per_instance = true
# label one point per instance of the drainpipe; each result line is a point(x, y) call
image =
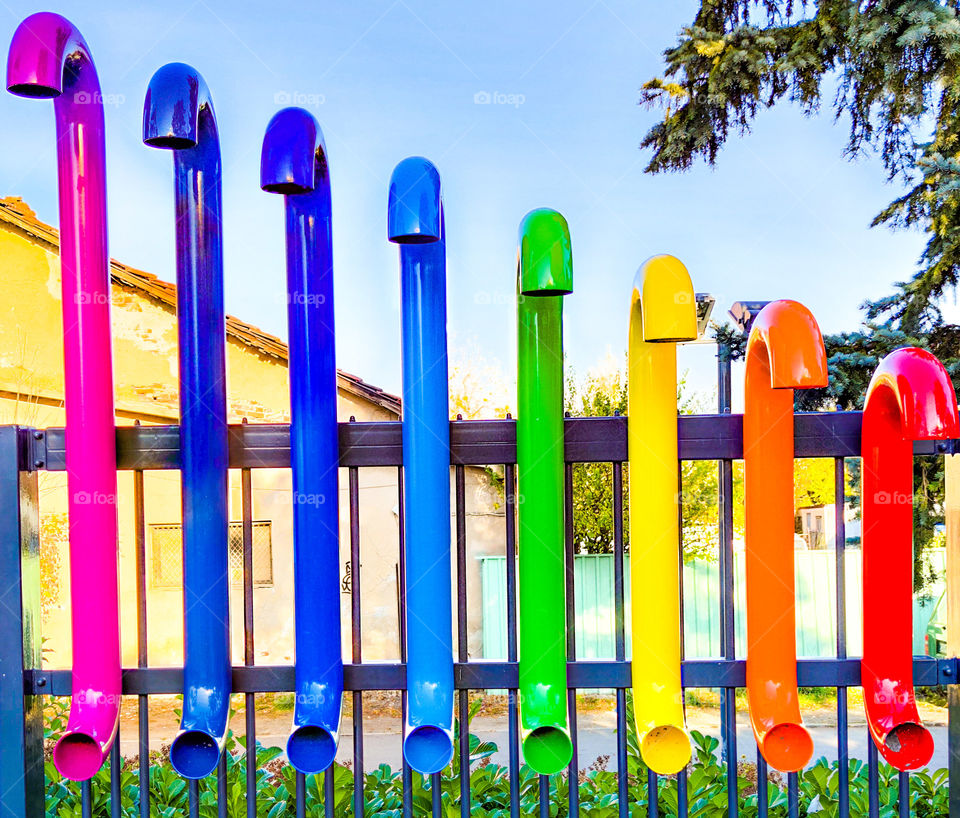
point(49, 59)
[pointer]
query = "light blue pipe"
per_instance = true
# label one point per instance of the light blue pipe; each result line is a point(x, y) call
point(178, 115)
point(294, 163)
point(415, 222)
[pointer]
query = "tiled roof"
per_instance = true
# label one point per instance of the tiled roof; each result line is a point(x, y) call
point(13, 210)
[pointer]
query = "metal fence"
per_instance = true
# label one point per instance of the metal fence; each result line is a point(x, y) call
point(24, 452)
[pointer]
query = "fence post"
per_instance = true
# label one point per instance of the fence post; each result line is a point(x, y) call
point(21, 715)
point(951, 468)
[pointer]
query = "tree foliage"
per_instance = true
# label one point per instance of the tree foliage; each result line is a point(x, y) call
point(605, 395)
point(897, 66)
point(891, 70)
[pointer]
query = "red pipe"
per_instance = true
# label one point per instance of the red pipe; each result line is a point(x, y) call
point(909, 398)
point(784, 352)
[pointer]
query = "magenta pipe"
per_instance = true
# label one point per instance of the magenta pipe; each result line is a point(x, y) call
point(49, 59)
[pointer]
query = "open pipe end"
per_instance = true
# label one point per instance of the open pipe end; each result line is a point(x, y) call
point(666, 749)
point(311, 749)
point(414, 205)
point(544, 257)
point(169, 142)
point(548, 750)
point(908, 746)
point(78, 756)
point(194, 754)
point(287, 188)
point(798, 358)
point(171, 108)
point(668, 303)
point(35, 91)
point(293, 153)
point(788, 747)
point(38, 55)
point(428, 749)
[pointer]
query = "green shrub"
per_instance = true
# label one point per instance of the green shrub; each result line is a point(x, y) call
point(490, 788)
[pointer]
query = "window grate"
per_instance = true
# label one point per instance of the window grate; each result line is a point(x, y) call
point(166, 554)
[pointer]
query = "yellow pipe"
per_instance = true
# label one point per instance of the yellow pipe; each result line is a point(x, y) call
point(663, 312)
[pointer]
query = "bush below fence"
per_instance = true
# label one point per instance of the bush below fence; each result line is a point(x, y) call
point(705, 787)
point(816, 596)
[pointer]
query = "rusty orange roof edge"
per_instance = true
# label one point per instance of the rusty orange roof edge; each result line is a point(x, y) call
point(13, 210)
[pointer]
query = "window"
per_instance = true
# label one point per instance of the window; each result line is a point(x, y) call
point(166, 551)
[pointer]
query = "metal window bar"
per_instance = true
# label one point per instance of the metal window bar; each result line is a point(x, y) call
point(166, 553)
point(24, 452)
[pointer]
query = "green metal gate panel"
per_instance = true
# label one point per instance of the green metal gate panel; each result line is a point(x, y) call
point(815, 595)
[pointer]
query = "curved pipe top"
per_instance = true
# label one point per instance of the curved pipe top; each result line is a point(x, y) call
point(414, 204)
point(176, 98)
point(664, 293)
point(294, 155)
point(544, 256)
point(794, 345)
point(922, 391)
point(47, 54)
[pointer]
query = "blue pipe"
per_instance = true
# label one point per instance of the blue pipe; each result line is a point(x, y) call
point(178, 115)
point(294, 163)
point(415, 222)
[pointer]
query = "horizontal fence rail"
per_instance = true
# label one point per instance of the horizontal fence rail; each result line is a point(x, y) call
point(478, 442)
point(24, 452)
point(481, 675)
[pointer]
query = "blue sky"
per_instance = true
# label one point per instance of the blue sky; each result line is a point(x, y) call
point(783, 215)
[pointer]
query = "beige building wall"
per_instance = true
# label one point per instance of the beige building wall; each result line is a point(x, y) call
point(145, 370)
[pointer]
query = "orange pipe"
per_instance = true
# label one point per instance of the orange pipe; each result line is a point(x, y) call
point(784, 352)
point(910, 397)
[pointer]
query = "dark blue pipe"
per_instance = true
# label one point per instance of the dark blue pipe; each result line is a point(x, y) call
point(294, 163)
point(415, 222)
point(178, 115)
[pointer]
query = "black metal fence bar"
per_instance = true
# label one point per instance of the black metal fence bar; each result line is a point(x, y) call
point(481, 442)
point(356, 638)
point(143, 702)
point(480, 675)
point(573, 772)
point(728, 695)
point(249, 653)
point(406, 773)
point(463, 696)
point(513, 728)
point(620, 651)
point(21, 716)
point(840, 542)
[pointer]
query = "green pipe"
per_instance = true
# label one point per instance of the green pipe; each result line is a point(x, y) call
point(544, 276)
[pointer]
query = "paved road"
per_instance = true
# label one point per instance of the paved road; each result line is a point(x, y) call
point(382, 745)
